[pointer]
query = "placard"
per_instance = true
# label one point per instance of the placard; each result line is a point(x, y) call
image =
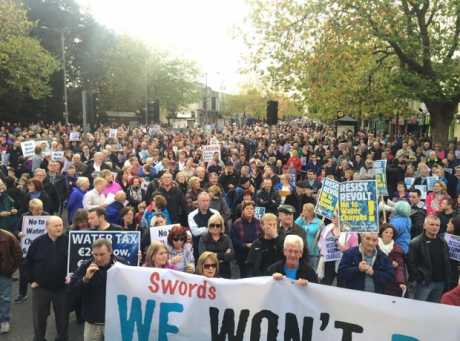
point(358, 209)
point(32, 227)
point(125, 244)
point(28, 148)
point(259, 212)
point(422, 189)
point(328, 198)
point(430, 181)
point(409, 182)
point(57, 155)
point(453, 242)
point(209, 151)
point(74, 136)
point(380, 169)
point(160, 233)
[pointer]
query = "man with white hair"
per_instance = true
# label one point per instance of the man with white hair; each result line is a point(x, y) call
point(293, 266)
point(365, 267)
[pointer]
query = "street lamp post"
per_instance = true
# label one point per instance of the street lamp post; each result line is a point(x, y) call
point(64, 70)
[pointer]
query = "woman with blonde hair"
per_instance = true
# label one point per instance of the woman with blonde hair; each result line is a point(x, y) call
point(434, 198)
point(157, 256)
point(191, 197)
point(208, 265)
point(215, 240)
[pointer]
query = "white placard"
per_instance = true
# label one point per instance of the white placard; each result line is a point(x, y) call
point(57, 155)
point(160, 233)
point(209, 151)
point(28, 148)
point(74, 136)
point(32, 227)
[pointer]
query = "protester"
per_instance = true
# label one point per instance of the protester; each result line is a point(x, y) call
point(97, 219)
point(365, 267)
point(293, 266)
point(157, 256)
point(244, 232)
point(265, 250)
point(180, 251)
point(75, 200)
point(215, 240)
point(312, 227)
point(90, 282)
point(10, 256)
point(396, 255)
point(47, 269)
point(428, 262)
point(402, 224)
point(95, 198)
point(208, 265)
point(8, 212)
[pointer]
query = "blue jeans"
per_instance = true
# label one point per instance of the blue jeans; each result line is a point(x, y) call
point(5, 298)
point(430, 292)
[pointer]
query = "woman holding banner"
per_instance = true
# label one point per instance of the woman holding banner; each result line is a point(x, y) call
point(396, 255)
point(207, 265)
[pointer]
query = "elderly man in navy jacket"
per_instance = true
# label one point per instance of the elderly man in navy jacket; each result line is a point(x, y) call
point(365, 267)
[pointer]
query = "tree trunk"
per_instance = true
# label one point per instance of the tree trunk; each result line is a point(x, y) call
point(442, 114)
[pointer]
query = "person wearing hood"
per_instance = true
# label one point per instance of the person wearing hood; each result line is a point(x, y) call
point(402, 224)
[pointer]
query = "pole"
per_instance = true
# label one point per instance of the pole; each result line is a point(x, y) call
point(64, 72)
point(146, 93)
point(84, 112)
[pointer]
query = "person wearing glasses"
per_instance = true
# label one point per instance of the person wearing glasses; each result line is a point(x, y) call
point(215, 240)
point(208, 265)
point(180, 252)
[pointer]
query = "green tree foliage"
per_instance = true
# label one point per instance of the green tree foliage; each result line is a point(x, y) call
point(407, 49)
point(25, 66)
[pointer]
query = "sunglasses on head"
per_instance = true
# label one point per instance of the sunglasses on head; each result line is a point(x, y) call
point(217, 226)
point(180, 238)
point(210, 266)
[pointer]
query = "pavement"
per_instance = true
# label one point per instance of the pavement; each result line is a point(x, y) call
point(22, 327)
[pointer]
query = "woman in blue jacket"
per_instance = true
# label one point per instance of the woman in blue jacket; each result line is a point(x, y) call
point(76, 197)
point(402, 224)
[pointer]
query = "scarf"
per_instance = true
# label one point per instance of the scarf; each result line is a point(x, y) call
point(386, 248)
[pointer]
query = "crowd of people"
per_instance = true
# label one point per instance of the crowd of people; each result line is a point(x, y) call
point(248, 210)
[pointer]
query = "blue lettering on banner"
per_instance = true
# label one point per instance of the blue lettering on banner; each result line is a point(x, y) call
point(135, 318)
point(165, 328)
point(398, 337)
point(143, 324)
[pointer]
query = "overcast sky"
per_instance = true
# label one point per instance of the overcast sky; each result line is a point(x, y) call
point(202, 30)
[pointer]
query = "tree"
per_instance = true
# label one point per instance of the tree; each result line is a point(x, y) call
point(25, 66)
point(411, 45)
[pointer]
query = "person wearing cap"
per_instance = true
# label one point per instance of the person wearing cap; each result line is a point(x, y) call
point(267, 197)
point(286, 223)
point(304, 194)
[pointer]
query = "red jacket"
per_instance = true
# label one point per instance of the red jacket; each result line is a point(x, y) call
point(452, 297)
point(295, 162)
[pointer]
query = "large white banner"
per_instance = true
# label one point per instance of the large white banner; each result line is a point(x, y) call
point(154, 304)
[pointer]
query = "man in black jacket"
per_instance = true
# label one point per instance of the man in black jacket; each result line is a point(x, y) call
point(46, 264)
point(417, 213)
point(174, 197)
point(267, 249)
point(90, 281)
point(428, 262)
point(267, 197)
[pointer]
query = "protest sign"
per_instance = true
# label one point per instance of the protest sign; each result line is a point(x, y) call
point(380, 168)
point(209, 151)
point(422, 189)
point(331, 250)
point(430, 181)
point(454, 246)
point(32, 227)
point(125, 244)
point(57, 155)
point(74, 136)
point(259, 212)
point(113, 133)
point(328, 198)
point(160, 233)
point(157, 304)
point(28, 148)
point(409, 182)
point(358, 209)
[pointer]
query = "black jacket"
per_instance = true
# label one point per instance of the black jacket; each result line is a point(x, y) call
point(304, 271)
point(270, 200)
point(262, 254)
point(57, 193)
point(218, 247)
point(419, 260)
point(93, 292)
point(46, 262)
point(176, 204)
point(417, 217)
